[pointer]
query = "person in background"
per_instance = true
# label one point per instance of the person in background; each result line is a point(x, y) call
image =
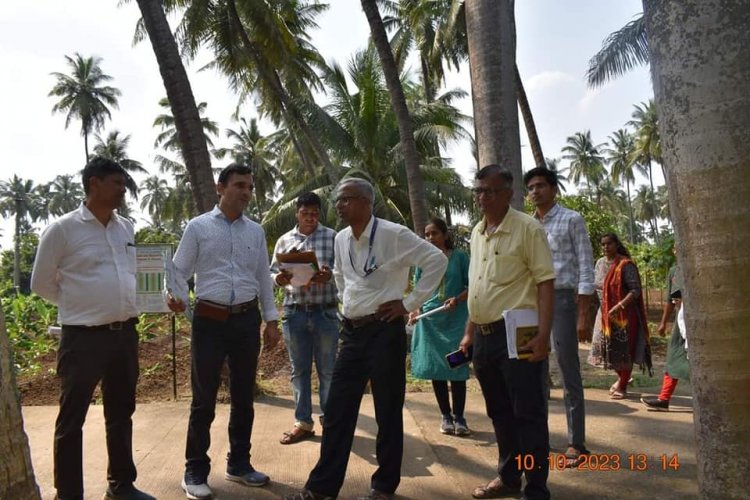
point(439, 334)
point(511, 269)
point(621, 332)
point(227, 253)
point(373, 258)
point(85, 264)
point(574, 285)
point(310, 326)
point(677, 366)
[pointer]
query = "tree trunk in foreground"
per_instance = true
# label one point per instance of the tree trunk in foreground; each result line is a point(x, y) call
point(16, 473)
point(700, 69)
point(492, 60)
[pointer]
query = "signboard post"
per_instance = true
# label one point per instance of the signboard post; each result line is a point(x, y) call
point(152, 264)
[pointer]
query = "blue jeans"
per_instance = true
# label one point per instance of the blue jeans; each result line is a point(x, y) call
point(310, 335)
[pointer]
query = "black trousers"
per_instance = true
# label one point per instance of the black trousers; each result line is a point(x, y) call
point(374, 352)
point(238, 341)
point(85, 357)
point(515, 394)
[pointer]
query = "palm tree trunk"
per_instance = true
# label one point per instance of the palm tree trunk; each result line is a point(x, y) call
point(528, 121)
point(630, 213)
point(653, 201)
point(703, 100)
point(417, 196)
point(16, 471)
point(182, 102)
point(17, 248)
point(86, 145)
point(492, 54)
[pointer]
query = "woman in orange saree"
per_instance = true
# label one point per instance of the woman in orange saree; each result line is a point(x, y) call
point(624, 338)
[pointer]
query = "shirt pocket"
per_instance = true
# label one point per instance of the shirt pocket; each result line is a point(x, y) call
point(506, 269)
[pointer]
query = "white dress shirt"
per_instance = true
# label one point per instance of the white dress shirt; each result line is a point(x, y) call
point(87, 269)
point(229, 260)
point(388, 252)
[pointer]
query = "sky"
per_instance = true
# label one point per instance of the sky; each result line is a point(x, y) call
point(555, 41)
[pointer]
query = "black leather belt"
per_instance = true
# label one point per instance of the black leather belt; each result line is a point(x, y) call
point(360, 322)
point(115, 326)
point(490, 328)
point(235, 308)
point(311, 307)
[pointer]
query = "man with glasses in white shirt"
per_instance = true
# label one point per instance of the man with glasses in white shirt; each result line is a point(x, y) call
point(373, 257)
point(85, 264)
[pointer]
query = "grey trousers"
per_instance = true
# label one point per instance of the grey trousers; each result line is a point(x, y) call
point(565, 338)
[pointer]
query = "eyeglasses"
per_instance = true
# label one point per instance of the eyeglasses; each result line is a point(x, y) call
point(346, 199)
point(488, 192)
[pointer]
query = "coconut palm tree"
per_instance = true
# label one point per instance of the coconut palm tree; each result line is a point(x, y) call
point(620, 159)
point(621, 51)
point(17, 199)
point(644, 207)
point(155, 199)
point(169, 138)
point(187, 119)
point(115, 147)
point(66, 194)
point(83, 96)
point(647, 147)
point(586, 160)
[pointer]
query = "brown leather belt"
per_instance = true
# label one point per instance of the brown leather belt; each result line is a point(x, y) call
point(115, 326)
point(490, 328)
point(221, 312)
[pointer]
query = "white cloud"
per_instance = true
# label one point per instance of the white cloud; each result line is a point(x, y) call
point(548, 79)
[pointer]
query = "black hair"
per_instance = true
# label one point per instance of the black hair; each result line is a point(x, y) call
point(309, 199)
point(620, 247)
point(495, 169)
point(443, 228)
point(100, 167)
point(549, 175)
point(233, 168)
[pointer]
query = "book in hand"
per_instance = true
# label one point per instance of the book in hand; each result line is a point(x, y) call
point(523, 335)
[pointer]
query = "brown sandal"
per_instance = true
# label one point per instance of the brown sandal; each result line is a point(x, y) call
point(573, 456)
point(296, 435)
point(495, 489)
point(618, 394)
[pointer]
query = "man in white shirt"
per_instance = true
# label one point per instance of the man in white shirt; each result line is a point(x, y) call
point(372, 262)
point(227, 253)
point(85, 264)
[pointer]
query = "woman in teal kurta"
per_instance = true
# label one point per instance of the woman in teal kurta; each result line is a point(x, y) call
point(439, 334)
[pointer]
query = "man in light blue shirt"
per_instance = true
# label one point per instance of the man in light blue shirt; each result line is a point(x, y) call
point(573, 260)
point(228, 255)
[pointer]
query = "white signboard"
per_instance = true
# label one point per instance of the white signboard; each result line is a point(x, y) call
point(151, 265)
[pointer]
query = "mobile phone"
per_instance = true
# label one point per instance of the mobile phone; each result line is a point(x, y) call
point(458, 358)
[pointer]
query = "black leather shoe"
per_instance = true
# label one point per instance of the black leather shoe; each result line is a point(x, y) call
point(377, 495)
point(126, 493)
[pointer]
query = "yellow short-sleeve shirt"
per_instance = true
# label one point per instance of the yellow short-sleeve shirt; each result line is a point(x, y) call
point(507, 266)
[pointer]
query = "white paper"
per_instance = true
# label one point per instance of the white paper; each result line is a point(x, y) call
point(431, 312)
point(514, 319)
point(301, 273)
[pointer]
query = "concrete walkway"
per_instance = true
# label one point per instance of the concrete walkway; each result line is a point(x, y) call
point(434, 467)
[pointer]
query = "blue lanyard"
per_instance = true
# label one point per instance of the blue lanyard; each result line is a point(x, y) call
point(370, 265)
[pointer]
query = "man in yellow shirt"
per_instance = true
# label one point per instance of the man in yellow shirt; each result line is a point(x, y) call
point(511, 268)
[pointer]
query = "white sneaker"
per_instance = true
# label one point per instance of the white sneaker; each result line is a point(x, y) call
point(197, 491)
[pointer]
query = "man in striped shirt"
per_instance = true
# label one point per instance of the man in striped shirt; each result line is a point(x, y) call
point(310, 326)
point(574, 285)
